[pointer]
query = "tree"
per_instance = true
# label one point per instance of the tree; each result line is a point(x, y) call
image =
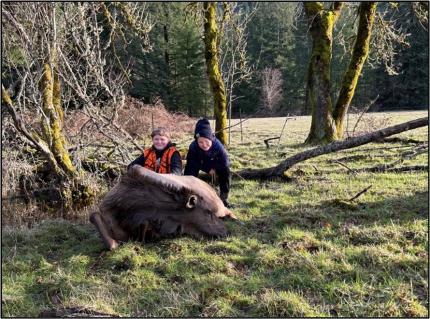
point(321, 22)
point(235, 67)
point(190, 85)
point(271, 88)
point(359, 55)
point(49, 140)
point(379, 33)
point(399, 76)
point(211, 40)
point(58, 48)
point(276, 38)
point(150, 79)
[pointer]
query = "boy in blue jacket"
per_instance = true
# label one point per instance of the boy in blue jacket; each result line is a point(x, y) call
point(207, 153)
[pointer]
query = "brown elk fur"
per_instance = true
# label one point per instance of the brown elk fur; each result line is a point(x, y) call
point(145, 205)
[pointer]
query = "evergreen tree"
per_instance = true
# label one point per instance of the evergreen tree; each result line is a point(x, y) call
point(190, 85)
point(174, 69)
point(278, 38)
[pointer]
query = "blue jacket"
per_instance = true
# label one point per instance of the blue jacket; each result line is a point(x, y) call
point(197, 159)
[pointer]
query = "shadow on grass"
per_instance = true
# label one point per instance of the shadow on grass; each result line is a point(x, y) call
point(331, 214)
point(320, 248)
point(325, 247)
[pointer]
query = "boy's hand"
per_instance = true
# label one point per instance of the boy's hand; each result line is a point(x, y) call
point(157, 164)
point(212, 172)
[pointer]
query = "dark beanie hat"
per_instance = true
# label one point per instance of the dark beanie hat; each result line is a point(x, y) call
point(203, 129)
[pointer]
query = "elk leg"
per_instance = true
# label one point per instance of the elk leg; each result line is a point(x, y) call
point(97, 220)
point(142, 231)
point(119, 233)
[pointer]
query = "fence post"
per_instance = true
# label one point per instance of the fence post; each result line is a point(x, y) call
point(240, 121)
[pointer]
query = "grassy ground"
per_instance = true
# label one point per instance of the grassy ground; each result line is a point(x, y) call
point(303, 250)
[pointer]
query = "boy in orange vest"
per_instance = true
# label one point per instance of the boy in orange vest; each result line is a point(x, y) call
point(162, 157)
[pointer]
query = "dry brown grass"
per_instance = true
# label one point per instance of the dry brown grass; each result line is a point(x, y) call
point(20, 182)
point(136, 118)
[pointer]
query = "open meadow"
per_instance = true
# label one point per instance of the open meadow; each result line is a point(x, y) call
point(303, 248)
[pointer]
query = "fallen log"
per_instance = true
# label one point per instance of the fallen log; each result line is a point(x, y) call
point(266, 141)
point(279, 170)
point(401, 140)
point(408, 168)
point(391, 168)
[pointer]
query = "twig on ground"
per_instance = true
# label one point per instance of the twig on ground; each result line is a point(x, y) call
point(390, 167)
point(360, 193)
point(266, 141)
point(342, 164)
point(234, 173)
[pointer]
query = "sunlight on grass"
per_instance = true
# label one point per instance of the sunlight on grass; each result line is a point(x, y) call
point(303, 249)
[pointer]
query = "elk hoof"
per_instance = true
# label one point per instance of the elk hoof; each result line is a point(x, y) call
point(113, 244)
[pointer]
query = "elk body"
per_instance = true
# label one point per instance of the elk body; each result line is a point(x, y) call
point(146, 205)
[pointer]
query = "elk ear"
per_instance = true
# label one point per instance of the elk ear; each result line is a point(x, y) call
point(192, 201)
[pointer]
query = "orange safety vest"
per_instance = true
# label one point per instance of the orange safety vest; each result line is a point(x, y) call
point(163, 167)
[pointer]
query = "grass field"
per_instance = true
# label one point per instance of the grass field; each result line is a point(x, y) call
point(302, 250)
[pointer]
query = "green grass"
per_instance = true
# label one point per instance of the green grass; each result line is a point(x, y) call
point(301, 251)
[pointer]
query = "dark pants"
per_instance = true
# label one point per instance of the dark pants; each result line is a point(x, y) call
point(224, 176)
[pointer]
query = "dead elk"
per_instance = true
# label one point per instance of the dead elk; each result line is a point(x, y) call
point(146, 205)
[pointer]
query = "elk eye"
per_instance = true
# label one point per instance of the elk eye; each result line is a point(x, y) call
point(210, 214)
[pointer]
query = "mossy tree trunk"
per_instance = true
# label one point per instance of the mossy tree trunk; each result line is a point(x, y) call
point(33, 137)
point(211, 36)
point(321, 22)
point(52, 120)
point(51, 142)
point(359, 55)
point(328, 122)
point(73, 189)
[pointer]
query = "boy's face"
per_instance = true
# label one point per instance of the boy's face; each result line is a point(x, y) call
point(160, 142)
point(204, 143)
